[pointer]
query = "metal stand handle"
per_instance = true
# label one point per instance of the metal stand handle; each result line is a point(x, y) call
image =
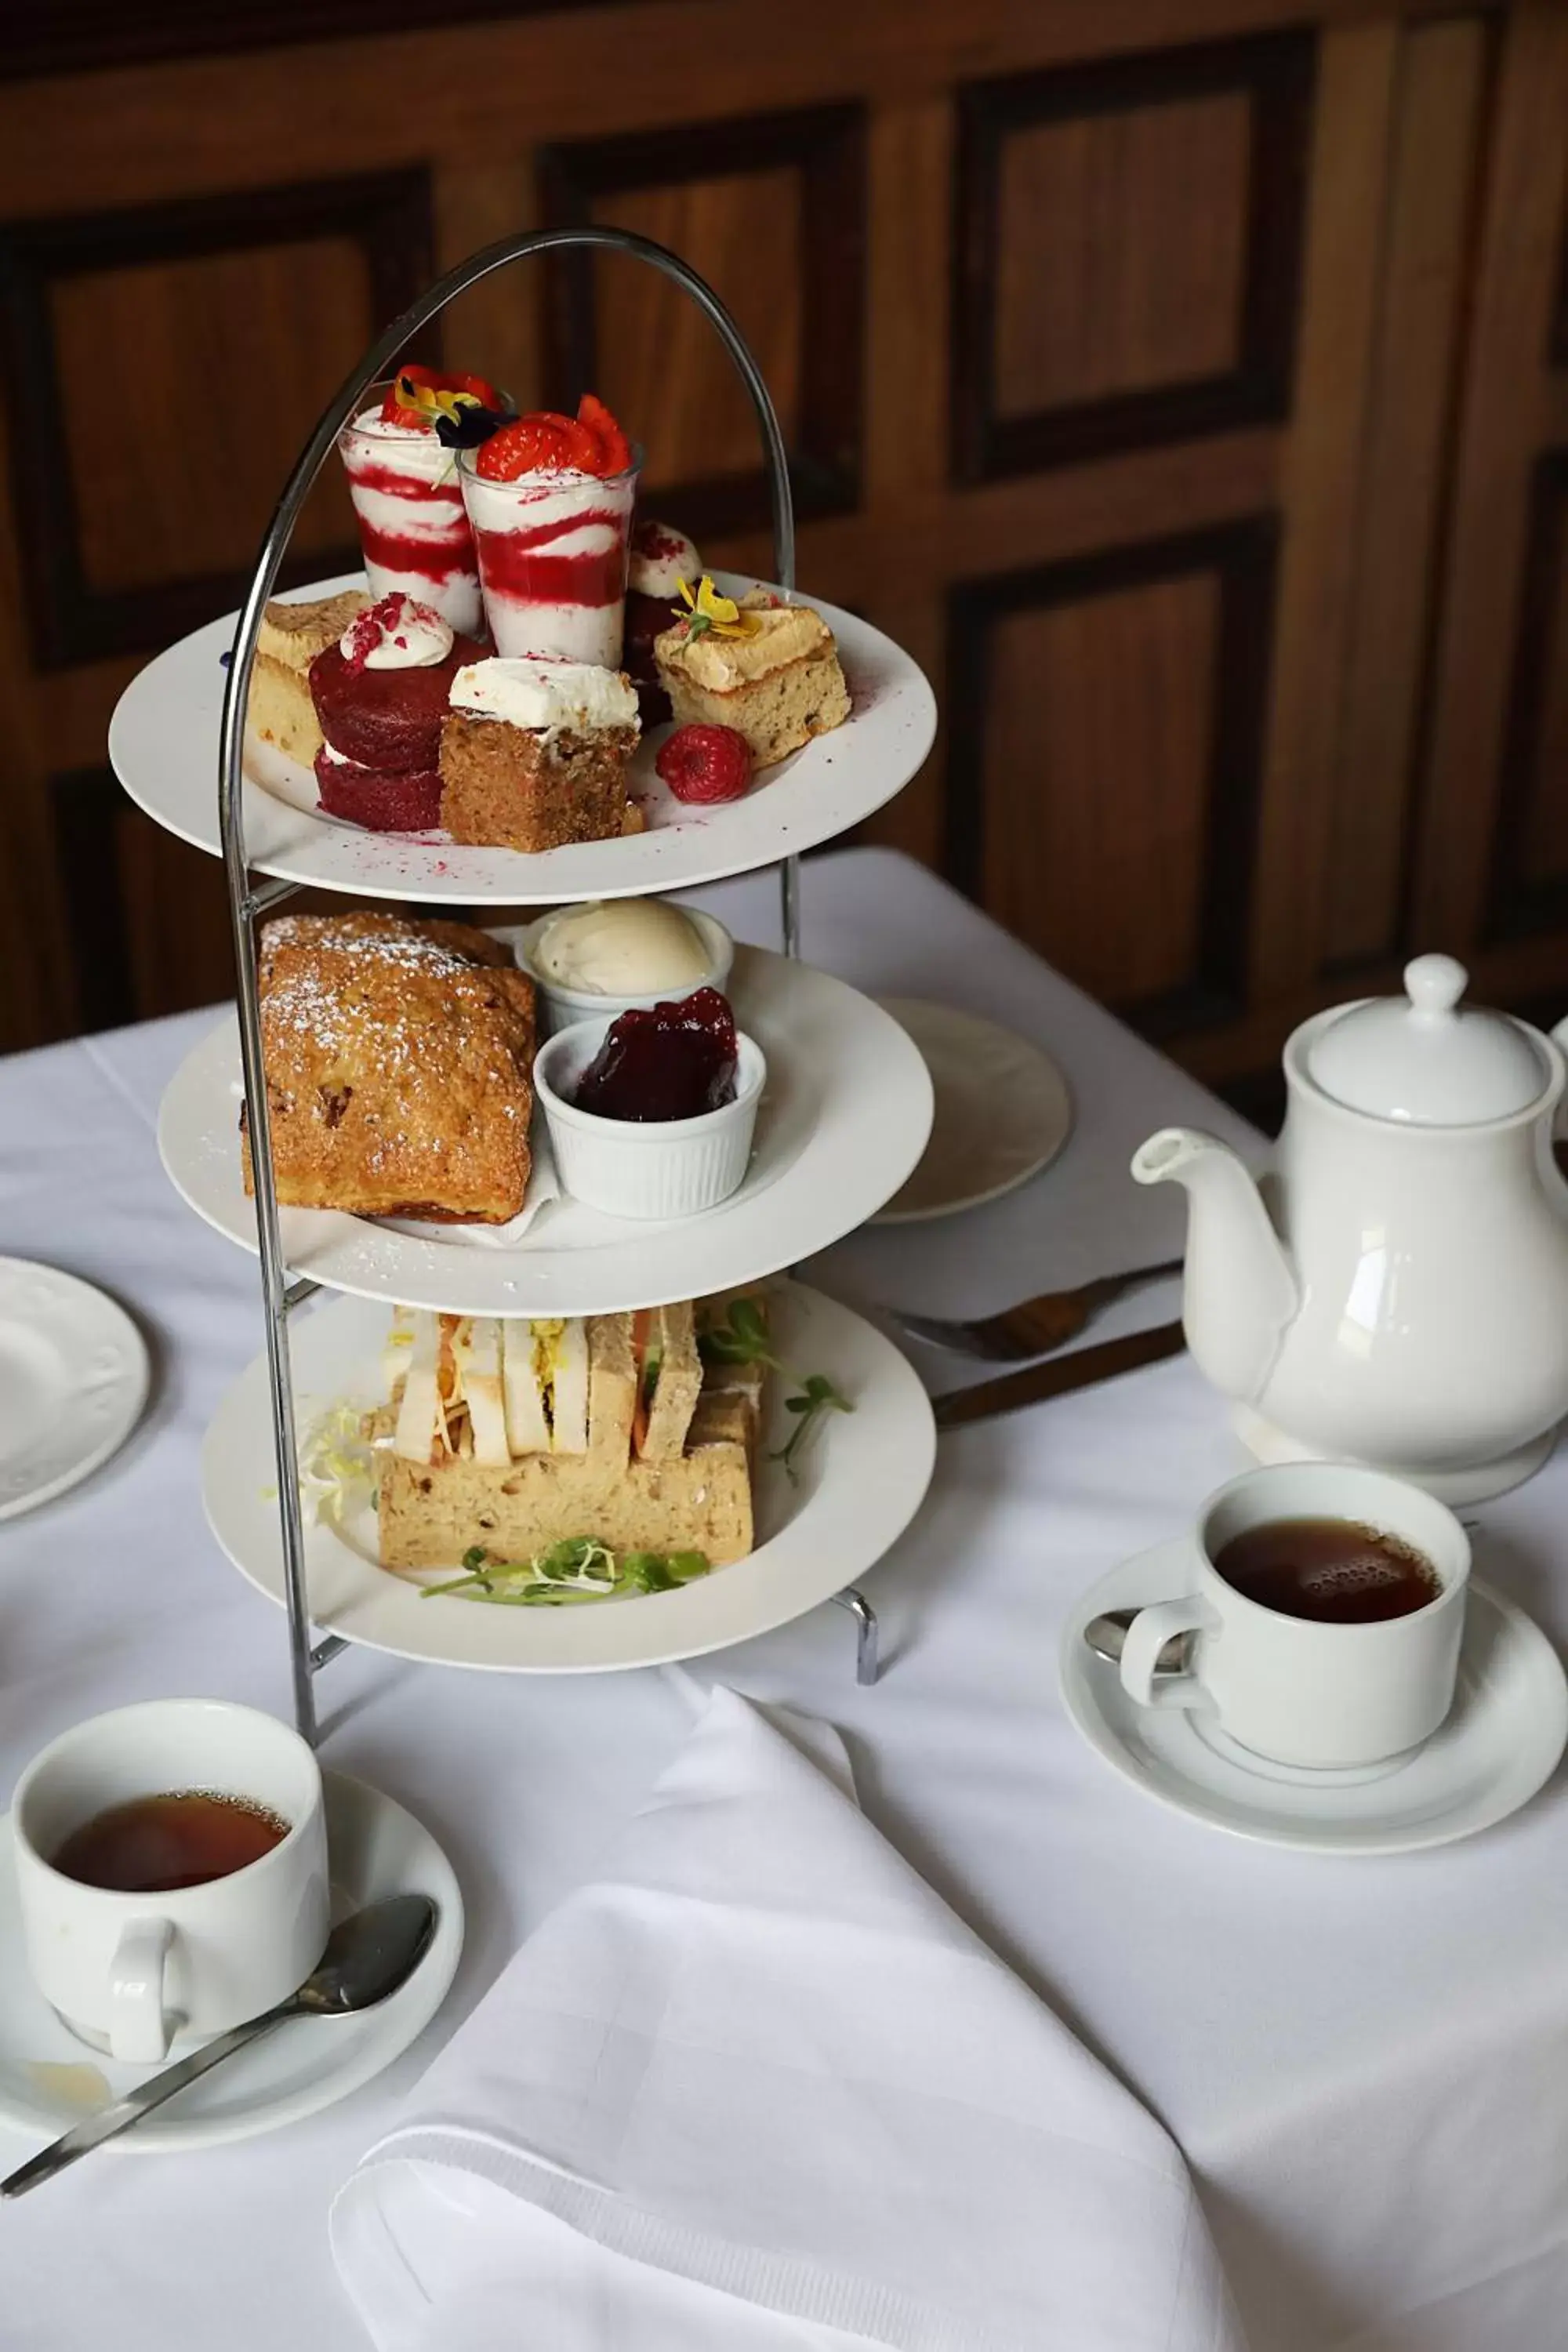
point(246, 901)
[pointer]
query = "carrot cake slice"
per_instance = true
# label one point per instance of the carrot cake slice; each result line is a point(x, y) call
point(533, 753)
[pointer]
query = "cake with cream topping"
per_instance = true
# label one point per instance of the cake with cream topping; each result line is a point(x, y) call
point(662, 558)
point(279, 710)
point(769, 671)
point(533, 753)
point(380, 695)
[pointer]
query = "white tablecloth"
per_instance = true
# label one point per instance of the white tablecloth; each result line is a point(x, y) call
point(1365, 2062)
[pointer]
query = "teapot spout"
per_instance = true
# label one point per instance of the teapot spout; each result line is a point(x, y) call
point(1240, 1294)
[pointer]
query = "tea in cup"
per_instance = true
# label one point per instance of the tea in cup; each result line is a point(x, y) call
point(172, 1861)
point(1326, 1603)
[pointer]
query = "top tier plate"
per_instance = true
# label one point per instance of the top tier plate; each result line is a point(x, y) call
point(163, 737)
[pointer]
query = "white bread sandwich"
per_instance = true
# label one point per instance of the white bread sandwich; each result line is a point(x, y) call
point(509, 1435)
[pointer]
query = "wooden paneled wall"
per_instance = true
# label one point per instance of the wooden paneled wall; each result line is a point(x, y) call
point(1184, 382)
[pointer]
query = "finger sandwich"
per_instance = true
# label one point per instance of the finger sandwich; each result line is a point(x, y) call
point(512, 1433)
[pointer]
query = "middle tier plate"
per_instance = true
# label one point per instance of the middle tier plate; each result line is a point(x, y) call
point(844, 1117)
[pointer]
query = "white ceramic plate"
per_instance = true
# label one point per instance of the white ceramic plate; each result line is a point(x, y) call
point(1499, 1745)
point(844, 1117)
point(162, 741)
point(861, 1481)
point(73, 1380)
point(1003, 1111)
point(49, 2079)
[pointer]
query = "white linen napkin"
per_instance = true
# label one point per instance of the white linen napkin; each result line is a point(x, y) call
point(755, 2086)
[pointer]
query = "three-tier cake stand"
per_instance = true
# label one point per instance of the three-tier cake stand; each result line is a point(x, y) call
point(266, 862)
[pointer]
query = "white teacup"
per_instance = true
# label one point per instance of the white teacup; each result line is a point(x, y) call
point(1294, 1689)
point(133, 1973)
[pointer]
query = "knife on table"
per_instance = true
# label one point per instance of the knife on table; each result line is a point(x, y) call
point(1057, 1376)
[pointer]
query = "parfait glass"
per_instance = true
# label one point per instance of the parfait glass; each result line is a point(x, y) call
point(553, 550)
point(412, 528)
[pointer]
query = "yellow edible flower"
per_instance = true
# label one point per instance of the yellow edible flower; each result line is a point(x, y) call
point(426, 401)
point(709, 610)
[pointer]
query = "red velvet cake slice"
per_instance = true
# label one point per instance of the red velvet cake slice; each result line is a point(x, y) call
point(380, 696)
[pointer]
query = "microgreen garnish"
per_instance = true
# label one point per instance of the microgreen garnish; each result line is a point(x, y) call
point(578, 1568)
point(817, 1398)
point(742, 1338)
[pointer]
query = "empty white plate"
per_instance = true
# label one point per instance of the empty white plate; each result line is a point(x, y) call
point(73, 1380)
point(1502, 1741)
point(1003, 1111)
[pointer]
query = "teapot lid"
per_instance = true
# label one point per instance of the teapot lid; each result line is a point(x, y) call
point(1426, 1059)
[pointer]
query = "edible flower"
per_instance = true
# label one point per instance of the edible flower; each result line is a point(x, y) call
point(709, 610)
point(462, 410)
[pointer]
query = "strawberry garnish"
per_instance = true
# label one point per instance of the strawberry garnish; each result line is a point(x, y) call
point(542, 443)
point(615, 449)
point(403, 406)
point(547, 443)
point(704, 764)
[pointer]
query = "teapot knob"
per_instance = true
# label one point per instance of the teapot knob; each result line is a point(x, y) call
point(1435, 985)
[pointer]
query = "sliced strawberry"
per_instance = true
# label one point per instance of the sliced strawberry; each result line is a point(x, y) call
point(542, 443)
point(394, 411)
point(705, 765)
point(615, 449)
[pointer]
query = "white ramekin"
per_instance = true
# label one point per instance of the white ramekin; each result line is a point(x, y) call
point(665, 1168)
point(560, 1007)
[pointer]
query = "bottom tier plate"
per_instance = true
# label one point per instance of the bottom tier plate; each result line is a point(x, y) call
point(862, 1481)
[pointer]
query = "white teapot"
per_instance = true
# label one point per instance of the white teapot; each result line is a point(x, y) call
point(1394, 1290)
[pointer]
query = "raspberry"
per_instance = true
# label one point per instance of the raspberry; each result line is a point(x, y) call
point(702, 764)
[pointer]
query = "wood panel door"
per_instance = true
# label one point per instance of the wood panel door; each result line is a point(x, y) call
point(1183, 383)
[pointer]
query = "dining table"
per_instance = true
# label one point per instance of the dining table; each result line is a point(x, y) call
point(1364, 2060)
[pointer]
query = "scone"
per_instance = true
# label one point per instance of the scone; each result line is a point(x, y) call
point(778, 685)
point(280, 710)
point(355, 923)
point(533, 753)
point(397, 1072)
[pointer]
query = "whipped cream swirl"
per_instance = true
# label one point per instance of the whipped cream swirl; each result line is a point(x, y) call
point(546, 696)
point(397, 633)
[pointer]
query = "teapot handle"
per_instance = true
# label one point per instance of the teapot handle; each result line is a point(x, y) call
point(1559, 1036)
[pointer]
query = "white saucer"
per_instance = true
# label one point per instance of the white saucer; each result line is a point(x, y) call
point(861, 1480)
point(73, 1380)
point(1501, 1742)
point(845, 1115)
point(1003, 1111)
point(163, 743)
point(49, 2079)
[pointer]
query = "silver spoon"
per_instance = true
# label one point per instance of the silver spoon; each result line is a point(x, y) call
point(1106, 1634)
point(366, 1959)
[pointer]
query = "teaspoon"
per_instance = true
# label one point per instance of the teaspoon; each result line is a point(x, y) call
point(367, 1959)
point(1106, 1634)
